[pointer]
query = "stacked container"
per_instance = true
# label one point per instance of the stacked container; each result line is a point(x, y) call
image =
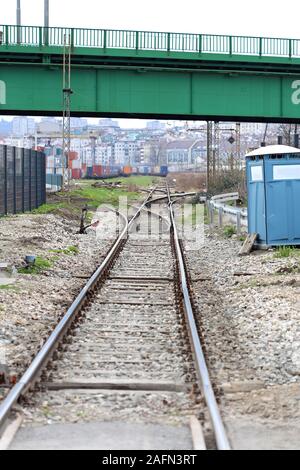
point(97, 171)
point(127, 170)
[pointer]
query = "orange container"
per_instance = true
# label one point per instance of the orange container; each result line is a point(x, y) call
point(73, 156)
point(127, 170)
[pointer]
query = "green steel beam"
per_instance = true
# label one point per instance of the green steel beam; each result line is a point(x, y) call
point(99, 55)
point(148, 74)
point(27, 89)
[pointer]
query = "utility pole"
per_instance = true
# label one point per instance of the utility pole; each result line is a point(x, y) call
point(46, 22)
point(216, 149)
point(238, 144)
point(46, 13)
point(67, 92)
point(209, 148)
point(19, 21)
point(213, 154)
point(296, 137)
point(265, 135)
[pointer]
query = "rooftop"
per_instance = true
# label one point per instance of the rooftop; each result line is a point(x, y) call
point(180, 144)
point(273, 150)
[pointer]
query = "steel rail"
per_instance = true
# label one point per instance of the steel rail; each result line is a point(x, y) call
point(44, 355)
point(202, 370)
point(166, 220)
point(167, 196)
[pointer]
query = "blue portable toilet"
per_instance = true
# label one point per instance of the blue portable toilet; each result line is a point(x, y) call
point(273, 181)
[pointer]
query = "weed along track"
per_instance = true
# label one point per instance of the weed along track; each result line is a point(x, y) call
point(127, 351)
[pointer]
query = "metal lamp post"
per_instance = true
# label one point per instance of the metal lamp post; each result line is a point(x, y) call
point(46, 21)
point(18, 21)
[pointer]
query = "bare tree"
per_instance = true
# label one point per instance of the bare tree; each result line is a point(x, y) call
point(286, 131)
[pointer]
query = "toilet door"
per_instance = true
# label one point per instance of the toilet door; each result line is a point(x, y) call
point(256, 199)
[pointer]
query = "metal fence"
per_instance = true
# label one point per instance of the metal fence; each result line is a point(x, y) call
point(22, 179)
point(238, 216)
point(37, 36)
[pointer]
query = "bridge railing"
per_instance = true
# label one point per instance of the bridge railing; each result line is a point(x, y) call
point(147, 40)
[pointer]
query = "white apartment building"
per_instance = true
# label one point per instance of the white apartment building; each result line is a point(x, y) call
point(22, 126)
point(252, 128)
point(126, 152)
point(104, 155)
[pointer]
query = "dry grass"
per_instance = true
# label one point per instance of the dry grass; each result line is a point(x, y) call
point(189, 181)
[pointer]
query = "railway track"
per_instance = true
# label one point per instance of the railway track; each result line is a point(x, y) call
point(129, 343)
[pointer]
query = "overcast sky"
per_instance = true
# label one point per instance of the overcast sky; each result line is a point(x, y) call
point(236, 17)
point(254, 17)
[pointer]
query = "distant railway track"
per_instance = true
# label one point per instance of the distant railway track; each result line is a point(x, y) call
point(132, 328)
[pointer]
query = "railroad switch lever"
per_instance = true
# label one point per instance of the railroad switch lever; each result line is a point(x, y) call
point(83, 227)
point(4, 375)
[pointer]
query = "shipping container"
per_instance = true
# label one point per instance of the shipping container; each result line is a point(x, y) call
point(73, 156)
point(76, 164)
point(97, 171)
point(76, 174)
point(114, 171)
point(50, 162)
point(145, 170)
point(164, 170)
point(105, 171)
point(84, 170)
point(48, 152)
point(127, 170)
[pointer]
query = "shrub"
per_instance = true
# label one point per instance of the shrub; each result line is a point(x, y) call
point(229, 231)
point(41, 264)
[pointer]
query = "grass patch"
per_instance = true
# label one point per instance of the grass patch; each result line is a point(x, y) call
point(71, 250)
point(283, 252)
point(141, 181)
point(69, 204)
point(49, 208)
point(95, 197)
point(41, 264)
point(8, 287)
point(286, 252)
point(229, 231)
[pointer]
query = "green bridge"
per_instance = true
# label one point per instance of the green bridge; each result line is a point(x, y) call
point(150, 75)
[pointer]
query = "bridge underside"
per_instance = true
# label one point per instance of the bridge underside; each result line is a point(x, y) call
point(143, 87)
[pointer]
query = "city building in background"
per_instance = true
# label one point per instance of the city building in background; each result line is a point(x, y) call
point(177, 145)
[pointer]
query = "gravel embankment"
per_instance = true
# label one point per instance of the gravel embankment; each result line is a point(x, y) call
point(31, 307)
point(249, 311)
